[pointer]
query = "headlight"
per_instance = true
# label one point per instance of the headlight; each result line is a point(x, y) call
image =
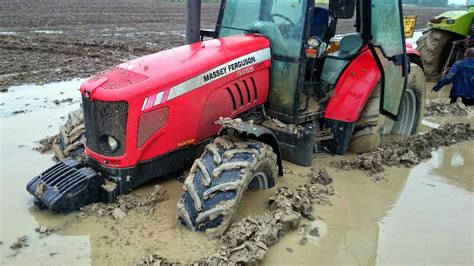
point(450, 21)
point(314, 42)
point(112, 143)
point(108, 143)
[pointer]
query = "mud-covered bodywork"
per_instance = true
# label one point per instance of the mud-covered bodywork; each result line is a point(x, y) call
point(170, 100)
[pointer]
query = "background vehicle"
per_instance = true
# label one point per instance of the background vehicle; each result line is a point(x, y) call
point(268, 68)
point(436, 43)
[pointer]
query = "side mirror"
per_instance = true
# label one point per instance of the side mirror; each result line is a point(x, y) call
point(342, 8)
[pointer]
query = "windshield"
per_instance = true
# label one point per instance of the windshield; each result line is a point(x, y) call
point(281, 21)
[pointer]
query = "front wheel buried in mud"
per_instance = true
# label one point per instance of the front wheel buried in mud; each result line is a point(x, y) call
point(218, 180)
point(71, 138)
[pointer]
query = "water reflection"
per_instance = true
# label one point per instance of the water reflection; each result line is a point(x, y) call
point(432, 220)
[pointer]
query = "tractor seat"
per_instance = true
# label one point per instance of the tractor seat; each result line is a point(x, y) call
point(348, 46)
point(320, 23)
point(336, 62)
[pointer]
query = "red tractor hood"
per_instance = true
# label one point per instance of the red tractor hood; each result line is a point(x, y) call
point(160, 71)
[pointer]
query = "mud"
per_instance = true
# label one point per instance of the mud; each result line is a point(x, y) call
point(21, 242)
point(248, 241)
point(278, 125)
point(438, 108)
point(367, 224)
point(69, 142)
point(409, 151)
point(125, 204)
point(358, 227)
point(52, 40)
point(56, 40)
point(44, 230)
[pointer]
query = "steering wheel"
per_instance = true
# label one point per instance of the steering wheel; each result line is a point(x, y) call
point(272, 17)
point(291, 24)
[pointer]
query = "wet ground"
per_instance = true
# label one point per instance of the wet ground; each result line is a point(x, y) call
point(55, 40)
point(422, 215)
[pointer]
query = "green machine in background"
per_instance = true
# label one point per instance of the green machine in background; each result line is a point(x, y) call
point(445, 40)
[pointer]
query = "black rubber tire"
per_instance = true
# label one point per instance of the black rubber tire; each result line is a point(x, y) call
point(434, 47)
point(368, 129)
point(412, 106)
point(71, 138)
point(371, 125)
point(219, 178)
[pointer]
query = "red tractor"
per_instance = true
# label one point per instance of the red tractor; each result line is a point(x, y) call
point(285, 85)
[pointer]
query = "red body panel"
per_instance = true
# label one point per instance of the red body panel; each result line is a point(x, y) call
point(353, 88)
point(197, 84)
point(410, 50)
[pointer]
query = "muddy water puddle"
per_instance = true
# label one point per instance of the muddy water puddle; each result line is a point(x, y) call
point(419, 216)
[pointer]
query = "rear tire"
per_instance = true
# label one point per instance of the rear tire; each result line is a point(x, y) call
point(434, 47)
point(371, 124)
point(412, 106)
point(219, 178)
point(368, 129)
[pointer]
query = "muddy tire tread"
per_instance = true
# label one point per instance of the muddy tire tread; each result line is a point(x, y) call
point(431, 46)
point(71, 137)
point(210, 205)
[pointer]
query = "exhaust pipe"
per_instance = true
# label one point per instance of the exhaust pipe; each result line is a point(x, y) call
point(193, 21)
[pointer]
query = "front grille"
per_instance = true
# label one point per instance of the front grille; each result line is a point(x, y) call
point(105, 118)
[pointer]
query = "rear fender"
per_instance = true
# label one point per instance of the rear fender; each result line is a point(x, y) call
point(255, 132)
point(411, 51)
point(353, 89)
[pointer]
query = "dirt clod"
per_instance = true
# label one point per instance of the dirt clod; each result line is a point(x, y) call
point(320, 177)
point(125, 203)
point(58, 102)
point(247, 241)
point(118, 214)
point(439, 107)
point(20, 243)
point(19, 112)
point(314, 232)
point(407, 152)
point(44, 230)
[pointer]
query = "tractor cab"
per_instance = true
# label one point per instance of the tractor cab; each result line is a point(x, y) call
point(306, 66)
point(319, 80)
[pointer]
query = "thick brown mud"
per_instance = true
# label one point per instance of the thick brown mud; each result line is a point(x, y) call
point(248, 241)
point(357, 227)
point(411, 216)
point(407, 152)
point(125, 204)
point(443, 107)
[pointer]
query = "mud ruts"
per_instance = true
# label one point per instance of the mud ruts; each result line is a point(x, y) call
point(247, 241)
point(409, 151)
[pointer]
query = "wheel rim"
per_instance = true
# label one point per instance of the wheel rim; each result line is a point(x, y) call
point(259, 181)
point(407, 117)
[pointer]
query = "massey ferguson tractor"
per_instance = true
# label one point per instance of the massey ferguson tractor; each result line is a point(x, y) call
point(272, 82)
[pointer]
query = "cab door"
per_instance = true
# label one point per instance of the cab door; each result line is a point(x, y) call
point(388, 45)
